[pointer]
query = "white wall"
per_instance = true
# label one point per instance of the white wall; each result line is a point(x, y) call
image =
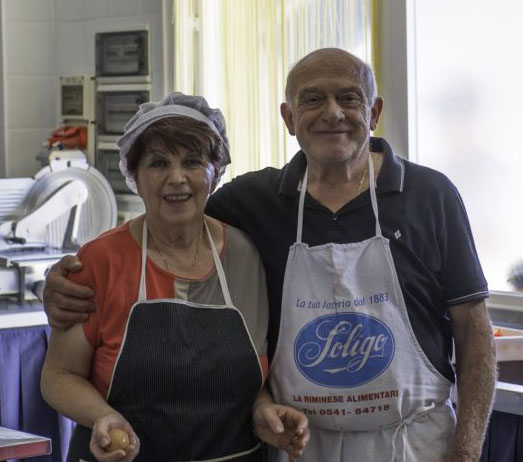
point(395, 78)
point(2, 125)
point(28, 31)
point(43, 39)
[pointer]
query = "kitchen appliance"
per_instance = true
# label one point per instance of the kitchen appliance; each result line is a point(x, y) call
point(45, 217)
point(123, 55)
point(116, 104)
point(77, 114)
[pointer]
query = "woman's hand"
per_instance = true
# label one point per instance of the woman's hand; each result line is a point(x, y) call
point(283, 427)
point(100, 439)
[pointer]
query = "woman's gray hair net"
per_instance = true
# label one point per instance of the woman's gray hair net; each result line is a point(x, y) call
point(175, 104)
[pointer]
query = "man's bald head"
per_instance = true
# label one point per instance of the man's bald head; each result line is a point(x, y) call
point(332, 59)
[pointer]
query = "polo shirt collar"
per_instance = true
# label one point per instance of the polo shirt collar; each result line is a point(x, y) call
point(391, 177)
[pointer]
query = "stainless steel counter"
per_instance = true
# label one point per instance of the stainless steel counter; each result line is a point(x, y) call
point(509, 398)
point(506, 311)
point(506, 308)
point(16, 314)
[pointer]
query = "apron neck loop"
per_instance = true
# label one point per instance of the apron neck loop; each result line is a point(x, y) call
point(142, 294)
point(373, 198)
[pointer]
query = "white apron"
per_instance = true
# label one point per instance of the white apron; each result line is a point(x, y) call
point(348, 358)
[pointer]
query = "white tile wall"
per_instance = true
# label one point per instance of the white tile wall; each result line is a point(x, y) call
point(119, 8)
point(70, 10)
point(43, 39)
point(96, 9)
point(72, 55)
point(24, 145)
point(30, 102)
point(156, 45)
point(152, 7)
point(29, 48)
point(28, 10)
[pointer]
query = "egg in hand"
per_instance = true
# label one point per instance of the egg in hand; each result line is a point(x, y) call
point(119, 440)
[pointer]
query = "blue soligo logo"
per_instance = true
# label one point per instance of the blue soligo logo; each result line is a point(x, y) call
point(344, 349)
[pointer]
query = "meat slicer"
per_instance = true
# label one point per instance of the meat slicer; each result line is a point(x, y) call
point(45, 217)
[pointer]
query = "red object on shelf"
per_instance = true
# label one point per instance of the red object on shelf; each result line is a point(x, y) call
point(497, 332)
point(19, 445)
point(71, 137)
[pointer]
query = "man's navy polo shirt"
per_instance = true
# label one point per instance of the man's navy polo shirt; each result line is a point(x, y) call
point(420, 212)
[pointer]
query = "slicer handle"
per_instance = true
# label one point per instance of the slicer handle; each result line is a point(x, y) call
point(72, 193)
point(16, 240)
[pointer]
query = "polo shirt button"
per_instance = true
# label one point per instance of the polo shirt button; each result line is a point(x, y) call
point(335, 218)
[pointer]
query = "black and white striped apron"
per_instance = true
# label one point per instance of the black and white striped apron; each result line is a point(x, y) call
point(186, 377)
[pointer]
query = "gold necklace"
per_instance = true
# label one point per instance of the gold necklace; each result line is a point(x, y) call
point(164, 259)
point(360, 185)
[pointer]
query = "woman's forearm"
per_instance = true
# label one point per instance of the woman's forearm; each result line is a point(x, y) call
point(73, 396)
point(64, 377)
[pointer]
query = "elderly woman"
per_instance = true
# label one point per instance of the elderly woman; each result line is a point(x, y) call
point(175, 352)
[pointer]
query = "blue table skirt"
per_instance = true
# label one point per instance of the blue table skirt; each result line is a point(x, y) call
point(504, 440)
point(22, 353)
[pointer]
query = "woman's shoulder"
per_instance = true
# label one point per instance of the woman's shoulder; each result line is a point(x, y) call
point(109, 254)
point(117, 240)
point(234, 240)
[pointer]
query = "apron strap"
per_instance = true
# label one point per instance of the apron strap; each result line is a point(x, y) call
point(419, 412)
point(301, 205)
point(142, 294)
point(373, 198)
point(219, 268)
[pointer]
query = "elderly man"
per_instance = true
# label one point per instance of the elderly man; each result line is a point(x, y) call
point(371, 271)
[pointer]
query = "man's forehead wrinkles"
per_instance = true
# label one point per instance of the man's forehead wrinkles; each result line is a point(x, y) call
point(325, 70)
point(321, 89)
point(307, 90)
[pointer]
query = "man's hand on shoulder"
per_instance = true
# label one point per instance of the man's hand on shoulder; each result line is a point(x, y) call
point(66, 302)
